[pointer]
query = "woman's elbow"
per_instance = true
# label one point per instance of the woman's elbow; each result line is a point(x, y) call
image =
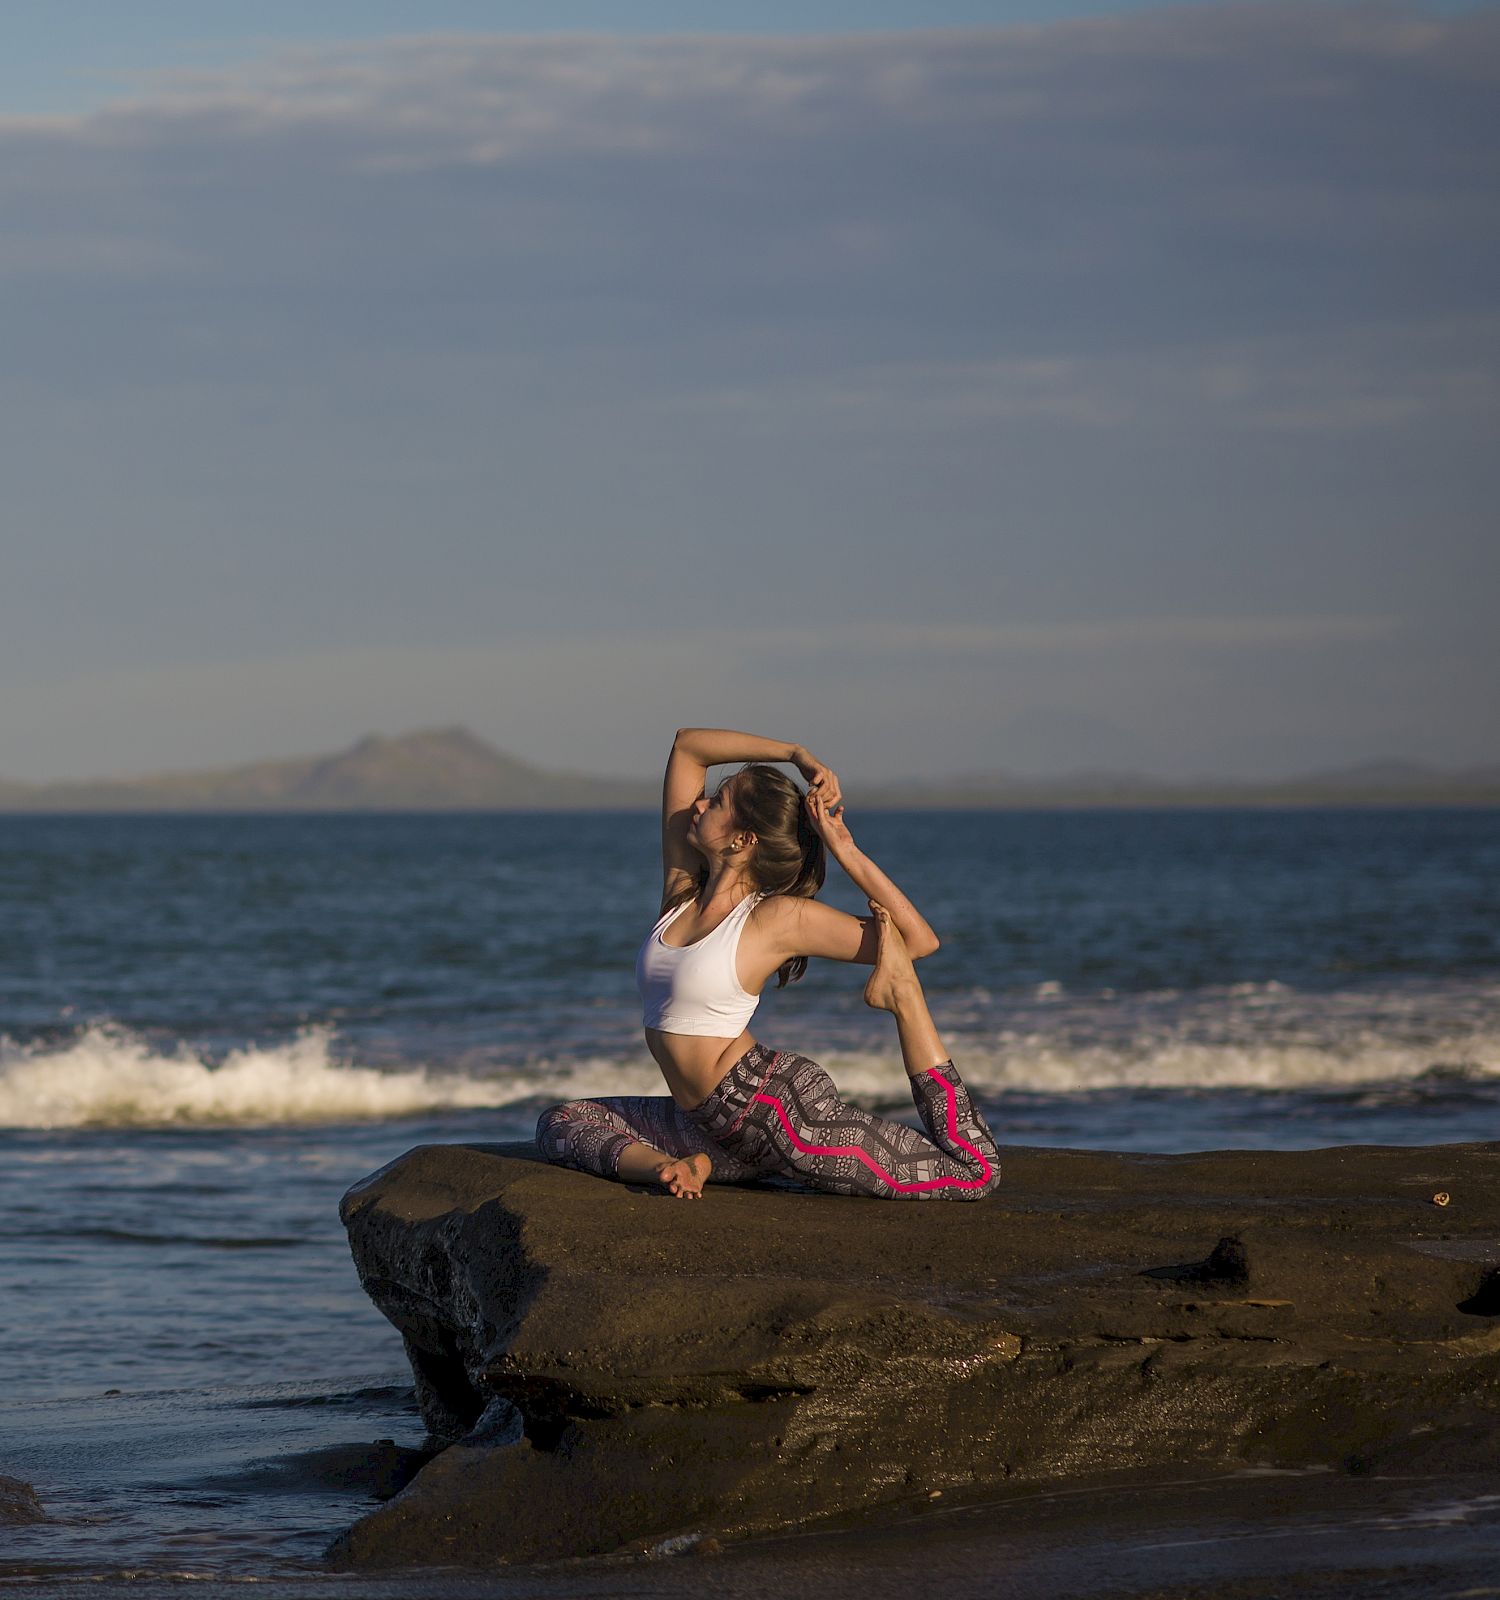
point(918, 951)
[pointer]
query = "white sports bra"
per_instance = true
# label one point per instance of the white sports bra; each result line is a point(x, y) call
point(695, 989)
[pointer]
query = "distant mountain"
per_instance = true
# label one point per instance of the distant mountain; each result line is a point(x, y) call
point(1393, 775)
point(452, 769)
point(439, 769)
point(1376, 783)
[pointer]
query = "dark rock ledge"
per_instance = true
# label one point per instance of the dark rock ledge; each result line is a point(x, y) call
point(18, 1503)
point(612, 1369)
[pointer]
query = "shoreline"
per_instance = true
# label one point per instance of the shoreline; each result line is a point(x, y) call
point(1232, 1536)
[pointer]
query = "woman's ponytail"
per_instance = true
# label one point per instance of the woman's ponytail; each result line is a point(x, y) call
point(789, 856)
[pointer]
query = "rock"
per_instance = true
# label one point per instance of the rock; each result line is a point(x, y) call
point(499, 1424)
point(613, 1370)
point(1227, 1263)
point(1485, 1301)
point(18, 1503)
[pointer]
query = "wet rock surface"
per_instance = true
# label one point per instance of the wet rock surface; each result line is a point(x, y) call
point(611, 1369)
point(18, 1503)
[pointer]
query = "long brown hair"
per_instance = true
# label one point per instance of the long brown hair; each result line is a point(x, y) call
point(788, 858)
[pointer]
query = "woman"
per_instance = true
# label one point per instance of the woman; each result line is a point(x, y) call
point(740, 871)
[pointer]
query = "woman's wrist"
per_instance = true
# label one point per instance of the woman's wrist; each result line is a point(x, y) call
point(850, 858)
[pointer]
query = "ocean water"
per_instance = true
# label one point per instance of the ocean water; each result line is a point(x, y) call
point(211, 1026)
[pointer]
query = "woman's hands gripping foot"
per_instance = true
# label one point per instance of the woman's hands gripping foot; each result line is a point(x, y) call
point(685, 1178)
point(894, 978)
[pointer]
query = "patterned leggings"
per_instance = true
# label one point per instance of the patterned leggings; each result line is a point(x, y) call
point(779, 1113)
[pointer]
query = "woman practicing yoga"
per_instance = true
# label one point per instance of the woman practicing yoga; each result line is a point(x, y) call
point(740, 871)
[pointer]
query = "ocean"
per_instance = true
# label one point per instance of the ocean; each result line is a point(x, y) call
point(210, 1026)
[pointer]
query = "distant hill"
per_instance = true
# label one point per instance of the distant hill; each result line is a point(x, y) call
point(438, 769)
point(1376, 783)
point(452, 769)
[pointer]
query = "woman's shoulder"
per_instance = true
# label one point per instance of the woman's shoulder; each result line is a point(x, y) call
point(775, 910)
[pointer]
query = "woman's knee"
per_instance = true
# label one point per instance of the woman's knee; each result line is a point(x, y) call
point(984, 1162)
point(554, 1124)
point(991, 1175)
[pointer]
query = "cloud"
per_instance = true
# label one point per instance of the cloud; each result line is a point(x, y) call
point(1339, 380)
point(1148, 322)
point(1152, 175)
point(1122, 633)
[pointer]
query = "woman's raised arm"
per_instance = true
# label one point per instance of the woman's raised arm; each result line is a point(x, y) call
point(694, 751)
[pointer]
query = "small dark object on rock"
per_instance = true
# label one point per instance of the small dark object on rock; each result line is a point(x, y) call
point(1485, 1301)
point(18, 1503)
point(1226, 1263)
point(109, 1392)
point(708, 1547)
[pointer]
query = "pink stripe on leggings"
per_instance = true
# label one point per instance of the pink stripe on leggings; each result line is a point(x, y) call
point(776, 1056)
point(884, 1176)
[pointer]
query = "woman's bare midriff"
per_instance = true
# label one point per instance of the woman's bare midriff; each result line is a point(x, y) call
point(693, 1063)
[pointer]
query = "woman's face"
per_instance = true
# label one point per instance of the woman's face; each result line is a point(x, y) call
point(713, 826)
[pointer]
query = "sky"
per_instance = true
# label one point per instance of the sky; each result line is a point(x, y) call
point(1021, 387)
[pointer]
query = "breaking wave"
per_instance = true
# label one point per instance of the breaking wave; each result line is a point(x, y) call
point(106, 1076)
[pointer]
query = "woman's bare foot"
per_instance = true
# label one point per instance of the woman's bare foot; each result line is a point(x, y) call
point(686, 1178)
point(894, 977)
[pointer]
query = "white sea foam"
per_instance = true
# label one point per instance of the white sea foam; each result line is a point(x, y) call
point(1046, 1070)
point(1043, 1065)
point(107, 1076)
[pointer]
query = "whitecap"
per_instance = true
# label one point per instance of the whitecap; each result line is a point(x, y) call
point(107, 1076)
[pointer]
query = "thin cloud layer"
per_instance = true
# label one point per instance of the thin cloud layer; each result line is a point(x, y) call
point(1242, 168)
point(1181, 314)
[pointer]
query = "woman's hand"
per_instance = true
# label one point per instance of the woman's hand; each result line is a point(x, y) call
point(821, 780)
point(828, 823)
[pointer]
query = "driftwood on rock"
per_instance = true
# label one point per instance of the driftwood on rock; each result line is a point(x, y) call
point(612, 1369)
